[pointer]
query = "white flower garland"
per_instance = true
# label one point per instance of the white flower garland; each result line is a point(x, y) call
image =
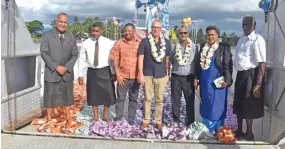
point(182, 60)
point(207, 54)
point(157, 56)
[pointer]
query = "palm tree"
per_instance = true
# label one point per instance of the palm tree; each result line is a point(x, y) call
point(52, 23)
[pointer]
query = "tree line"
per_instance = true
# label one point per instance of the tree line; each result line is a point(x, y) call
point(231, 38)
point(81, 28)
point(78, 28)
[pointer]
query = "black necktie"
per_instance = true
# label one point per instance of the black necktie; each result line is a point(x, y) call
point(96, 56)
point(61, 38)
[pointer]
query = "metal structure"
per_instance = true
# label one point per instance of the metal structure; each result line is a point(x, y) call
point(117, 29)
point(194, 30)
point(275, 82)
point(20, 73)
point(154, 10)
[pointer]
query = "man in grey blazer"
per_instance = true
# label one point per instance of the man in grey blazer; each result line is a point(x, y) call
point(182, 75)
point(59, 52)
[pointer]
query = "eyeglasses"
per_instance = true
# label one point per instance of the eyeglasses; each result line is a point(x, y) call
point(183, 33)
point(155, 27)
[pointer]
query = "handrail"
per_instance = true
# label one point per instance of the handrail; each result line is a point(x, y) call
point(21, 54)
point(20, 93)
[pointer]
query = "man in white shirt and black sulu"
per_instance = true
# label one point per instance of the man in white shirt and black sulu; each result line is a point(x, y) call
point(94, 58)
point(250, 60)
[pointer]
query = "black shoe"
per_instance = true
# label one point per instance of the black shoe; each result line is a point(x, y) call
point(239, 134)
point(132, 123)
point(176, 121)
point(117, 119)
point(248, 137)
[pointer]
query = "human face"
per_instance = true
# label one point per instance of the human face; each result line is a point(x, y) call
point(61, 23)
point(96, 32)
point(247, 25)
point(183, 34)
point(129, 33)
point(212, 37)
point(156, 29)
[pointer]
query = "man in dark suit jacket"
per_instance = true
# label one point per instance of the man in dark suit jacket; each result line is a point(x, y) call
point(59, 52)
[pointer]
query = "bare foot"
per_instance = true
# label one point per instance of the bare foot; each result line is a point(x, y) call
point(95, 119)
point(49, 119)
point(106, 119)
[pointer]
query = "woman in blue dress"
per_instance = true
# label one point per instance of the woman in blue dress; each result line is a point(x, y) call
point(214, 62)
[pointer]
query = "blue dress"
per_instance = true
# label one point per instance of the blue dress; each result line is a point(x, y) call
point(213, 105)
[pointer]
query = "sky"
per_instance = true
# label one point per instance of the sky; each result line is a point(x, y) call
point(225, 14)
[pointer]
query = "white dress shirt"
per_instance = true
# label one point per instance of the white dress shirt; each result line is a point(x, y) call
point(87, 53)
point(250, 51)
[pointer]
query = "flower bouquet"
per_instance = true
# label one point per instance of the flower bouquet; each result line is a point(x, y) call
point(226, 135)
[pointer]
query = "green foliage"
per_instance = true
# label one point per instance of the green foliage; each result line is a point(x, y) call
point(35, 27)
point(231, 39)
point(79, 28)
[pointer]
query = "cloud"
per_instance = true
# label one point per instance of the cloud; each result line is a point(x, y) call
point(233, 20)
point(223, 13)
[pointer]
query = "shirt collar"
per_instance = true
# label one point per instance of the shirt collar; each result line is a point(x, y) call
point(136, 40)
point(58, 33)
point(251, 36)
point(98, 38)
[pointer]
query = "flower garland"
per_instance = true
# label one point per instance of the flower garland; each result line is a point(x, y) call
point(207, 54)
point(157, 56)
point(182, 60)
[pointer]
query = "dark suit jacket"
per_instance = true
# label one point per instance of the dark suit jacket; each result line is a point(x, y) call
point(223, 60)
point(54, 54)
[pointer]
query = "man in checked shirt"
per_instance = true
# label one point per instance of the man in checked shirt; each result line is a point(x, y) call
point(124, 57)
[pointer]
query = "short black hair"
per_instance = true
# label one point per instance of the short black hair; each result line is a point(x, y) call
point(213, 27)
point(130, 24)
point(97, 24)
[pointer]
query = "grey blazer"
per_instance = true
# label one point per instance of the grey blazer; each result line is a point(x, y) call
point(54, 54)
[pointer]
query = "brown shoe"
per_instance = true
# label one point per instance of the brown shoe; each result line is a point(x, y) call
point(159, 125)
point(144, 124)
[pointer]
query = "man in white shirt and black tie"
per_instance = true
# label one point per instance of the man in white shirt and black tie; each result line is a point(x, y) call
point(94, 58)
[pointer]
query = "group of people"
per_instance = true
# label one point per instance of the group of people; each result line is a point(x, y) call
point(153, 62)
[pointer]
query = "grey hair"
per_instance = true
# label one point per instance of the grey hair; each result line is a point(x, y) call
point(156, 21)
point(183, 27)
point(62, 13)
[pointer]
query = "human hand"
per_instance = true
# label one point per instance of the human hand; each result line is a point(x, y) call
point(61, 69)
point(141, 79)
point(167, 79)
point(224, 85)
point(120, 80)
point(256, 91)
point(195, 83)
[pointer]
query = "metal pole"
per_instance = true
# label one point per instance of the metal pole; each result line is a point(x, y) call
point(106, 22)
point(115, 33)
